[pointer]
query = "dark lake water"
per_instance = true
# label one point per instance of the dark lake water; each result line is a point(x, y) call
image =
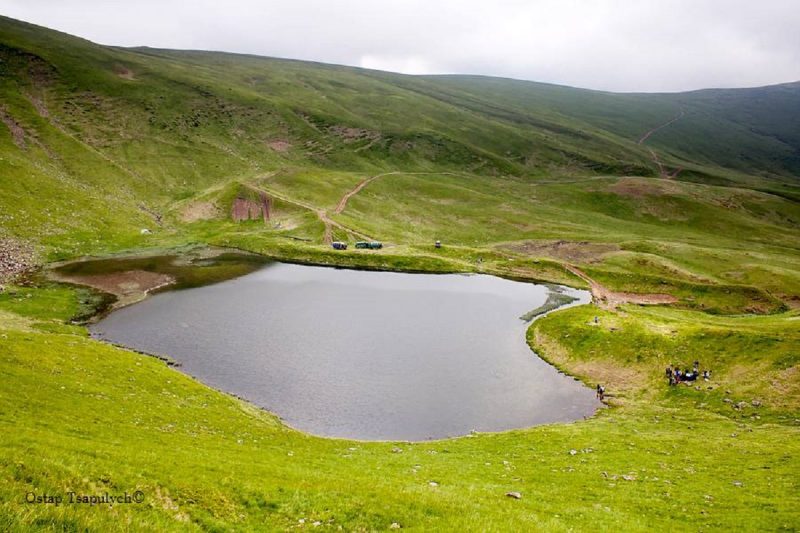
point(364, 355)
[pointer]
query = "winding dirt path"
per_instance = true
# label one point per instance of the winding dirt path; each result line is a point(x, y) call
point(609, 299)
point(363, 183)
point(662, 170)
point(321, 214)
point(647, 134)
point(366, 181)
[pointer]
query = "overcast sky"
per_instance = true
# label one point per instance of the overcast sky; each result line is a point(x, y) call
point(624, 45)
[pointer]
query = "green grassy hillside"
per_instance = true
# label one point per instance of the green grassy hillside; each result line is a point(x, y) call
point(90, 418)
point(753, 131)
point(520, 179)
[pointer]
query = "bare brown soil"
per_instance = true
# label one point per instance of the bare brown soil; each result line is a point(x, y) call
point(608, 372)
point(38, 103)
point(663, 171)
point(366, 181)
point(131, 283)
point(279, 145)
point(321, 214)
point(17, 131)
point(633, 188)
point(327, 237)
point(24, 138)
point(650, 132)
point(609, 299)
point(330, 224)
point(124, 72)
point(570, 251)
point(15, 258)
point(353, 134)
point(247, 209)
point(200, 211)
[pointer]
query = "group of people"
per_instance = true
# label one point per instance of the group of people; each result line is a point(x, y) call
point(676, 375)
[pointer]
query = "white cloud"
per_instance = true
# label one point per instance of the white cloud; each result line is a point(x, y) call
point(646, 45)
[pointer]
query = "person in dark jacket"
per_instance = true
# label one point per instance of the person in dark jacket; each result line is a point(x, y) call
point(601, 392)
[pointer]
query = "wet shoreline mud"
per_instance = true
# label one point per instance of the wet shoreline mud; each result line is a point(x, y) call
point(130, 279)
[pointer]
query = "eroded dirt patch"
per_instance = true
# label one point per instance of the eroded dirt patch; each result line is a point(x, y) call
point(16, 258)
point(17, 131)
point(200, 211)
point(642, 188)
point(606, 298)
point(124, 72)
point(571, 251)
point(123, 284)
point(616, 378)
point(279, 145)
point(353, 134)
point(251, 209)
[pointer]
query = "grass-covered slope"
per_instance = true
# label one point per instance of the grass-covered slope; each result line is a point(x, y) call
point(752, 131)
point(99, 142)
point(89, 418)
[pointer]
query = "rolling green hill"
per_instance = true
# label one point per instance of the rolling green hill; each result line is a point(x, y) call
point(156, 126)
point(753, 131)
point(690, 200)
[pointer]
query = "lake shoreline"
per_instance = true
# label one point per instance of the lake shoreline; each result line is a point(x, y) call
point(502, 325)
point(49, 271)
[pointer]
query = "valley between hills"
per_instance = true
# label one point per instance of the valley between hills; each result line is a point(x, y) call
point(680, 212)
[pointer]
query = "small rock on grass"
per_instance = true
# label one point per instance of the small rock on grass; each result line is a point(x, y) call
point(515, 495)
point(395, 525)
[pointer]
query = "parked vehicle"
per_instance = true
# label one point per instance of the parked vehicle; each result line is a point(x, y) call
point(337, 245)
point(374, 245)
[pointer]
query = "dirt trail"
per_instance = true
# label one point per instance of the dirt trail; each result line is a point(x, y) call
point(647, 135)
point(321, 214)
point(609, 299)
point(366, 181)
point(329, 223)
point(662, 170)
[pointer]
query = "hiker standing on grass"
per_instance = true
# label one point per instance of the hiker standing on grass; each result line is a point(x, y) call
point(601, 392)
